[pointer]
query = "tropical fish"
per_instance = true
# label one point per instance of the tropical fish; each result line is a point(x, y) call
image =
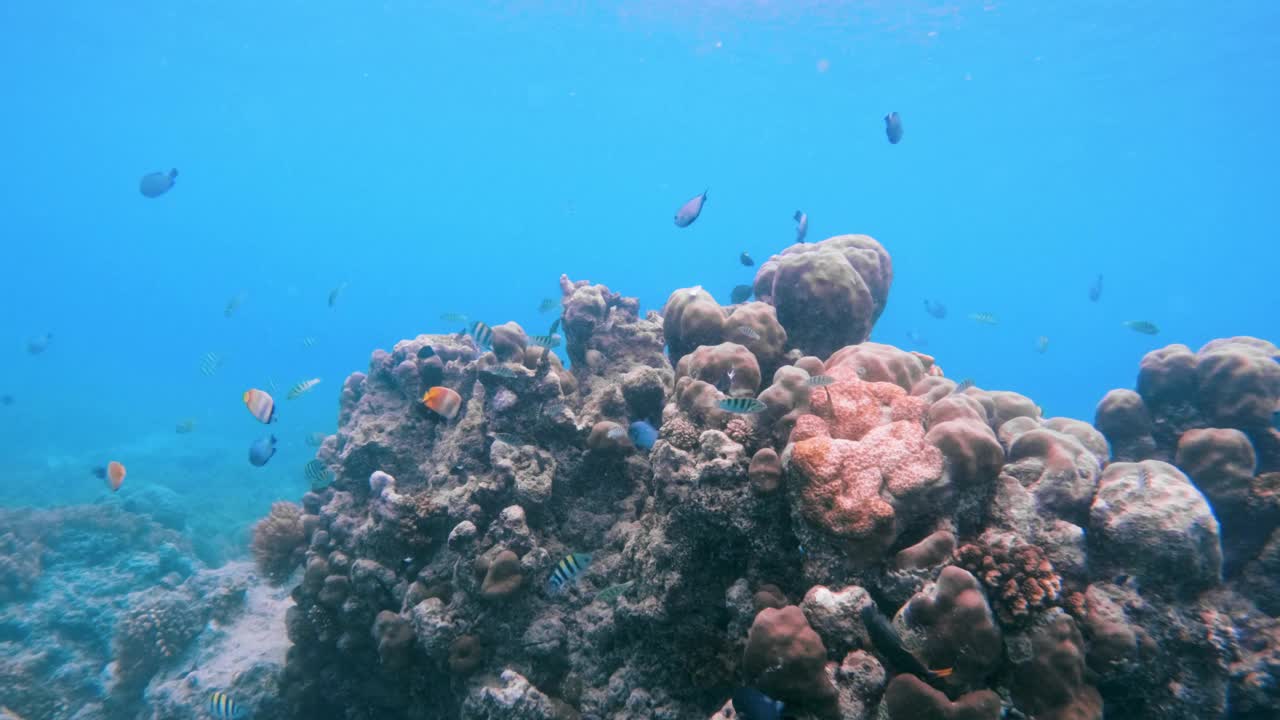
point(302, 388)
point(210, 362)
point(935, 308)
point(984, 318)
point(964, 384)
point(443, 401)
point(747, 332)
point(744, 406)
point(887, 640)
point(481, 333)
point(155, 184)
point(501, 371)
point(820, 381)
point(316, 439)
point(1142, 326)
point(308, 341)
point(1095, 290)
point(547, 305)
point(740, 294)
point(223, 707)
point(751, 704)
point(261, 450)
point(568, 570)
point(555, 326)
point(613, 592)
point(318, 474)
point(425, 352)
point(234, 303)
point(39, 343)
point(546, 341)
point(745, 259)
point(185, 426)
point(1042, 343)
point(642, 434)
point(802, 225)
point(893, 127)
point(335, 293)
point(113, 473)
point(260, 404)
point(690, 210)
point(451, 317)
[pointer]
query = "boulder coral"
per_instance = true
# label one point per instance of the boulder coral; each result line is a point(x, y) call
point(279, 540)
point(786, 659)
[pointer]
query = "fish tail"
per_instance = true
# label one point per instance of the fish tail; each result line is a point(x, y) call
point(173, 173)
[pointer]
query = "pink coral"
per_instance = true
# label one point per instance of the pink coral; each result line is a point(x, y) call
point(852, 407)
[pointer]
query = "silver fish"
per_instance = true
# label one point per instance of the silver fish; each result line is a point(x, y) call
point(691, 210)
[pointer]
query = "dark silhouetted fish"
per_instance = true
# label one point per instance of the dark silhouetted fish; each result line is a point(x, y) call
point(751, 704)
point(745, 259)
point(802, 225)
point(1275, 419)
point(1095, 290)
point(886, 639)
point(643, 434)
point(690, 210)
point(6, 400)
point(1142, 326)
point(261, 450)
point(155, 184)
point(335, 293)
point(39, 344)
point(740, 294)
point(935, 308)
point(426, 351)
point(893, 127)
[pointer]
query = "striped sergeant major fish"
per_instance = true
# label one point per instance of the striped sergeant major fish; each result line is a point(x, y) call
point(222, 706)
point(568, 570)
point(481, 333)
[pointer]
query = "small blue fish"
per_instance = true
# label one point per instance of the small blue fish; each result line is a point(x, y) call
point(568, 570)
point(690, 210)
point(802, 225)
point(155, 184)
point(643, 434)
point(751, 704)
point(222, 706)
point(893, 127)
point(261, 450)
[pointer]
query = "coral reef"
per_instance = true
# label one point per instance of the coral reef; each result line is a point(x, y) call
point(279, 540)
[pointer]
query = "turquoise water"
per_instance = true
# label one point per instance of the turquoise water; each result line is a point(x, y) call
point(458, 157)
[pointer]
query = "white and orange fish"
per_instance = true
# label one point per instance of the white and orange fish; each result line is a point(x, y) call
point(113, 473)
point(443, 401)
point(261, 404)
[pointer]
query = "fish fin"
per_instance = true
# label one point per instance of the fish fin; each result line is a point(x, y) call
point(704, 193)
point(942, 672)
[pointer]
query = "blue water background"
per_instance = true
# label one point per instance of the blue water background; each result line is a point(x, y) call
point(458, 157)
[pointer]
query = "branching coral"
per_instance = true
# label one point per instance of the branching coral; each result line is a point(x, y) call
point(279, 541)
point(1020, 580)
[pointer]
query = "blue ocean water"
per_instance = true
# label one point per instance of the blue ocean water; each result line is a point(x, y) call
point(458, 157)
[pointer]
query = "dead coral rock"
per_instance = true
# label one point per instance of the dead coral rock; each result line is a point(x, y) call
point(279, 542)
point(1052, 685)
point(503, 578)
point(394, 636)
point(768, 596)
point(929, 552)
point(465, 655)
point(836, 616)
point(960, 631)
point(909, 698)
point(786, 660)
point(765, 471)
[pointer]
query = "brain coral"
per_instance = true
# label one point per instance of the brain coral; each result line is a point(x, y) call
point(828, 294)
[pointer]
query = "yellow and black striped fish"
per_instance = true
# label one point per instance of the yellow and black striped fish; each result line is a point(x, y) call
point(744, 406)
point(568, 570)
point(481, 333)
point(222, 706)
point(302, 388)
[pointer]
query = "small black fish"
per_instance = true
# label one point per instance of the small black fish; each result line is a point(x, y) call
point(155, 184)
point(802, 225)
point(99, 472)
point(935, 308)
point(745, 259)
point(886, 639)
point(1275, 419)
point(893, 127)
point(426, 351)
point(1095, 290)
point(740, 294)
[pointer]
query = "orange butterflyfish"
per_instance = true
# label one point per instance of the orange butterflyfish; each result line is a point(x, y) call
point(115, 475)
point(443, 401)
point(260, 404)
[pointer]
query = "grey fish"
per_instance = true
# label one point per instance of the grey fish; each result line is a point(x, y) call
point(1142, 326)
point(745, 259)
point(935, 308)
point(1095, 290)
point(691, 210)
point(546, 341)
point(740, 294)
point(547, 305)
point(893, 127)
point(262, 450)
point(747, 332)
point(39, 344)
point(155, 184)
point(744, 406)
point(802, 225)
point(613, 592)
